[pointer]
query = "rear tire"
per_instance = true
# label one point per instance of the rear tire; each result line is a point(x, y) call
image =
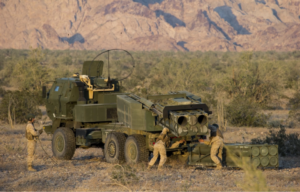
point(114, 147)
point(136, 150)
point(63, 144)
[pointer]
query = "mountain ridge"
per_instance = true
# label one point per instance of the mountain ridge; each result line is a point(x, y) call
point(180, 25)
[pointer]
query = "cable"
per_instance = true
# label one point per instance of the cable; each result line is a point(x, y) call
point(45, 151)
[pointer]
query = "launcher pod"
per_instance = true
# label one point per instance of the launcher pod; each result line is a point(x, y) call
point(259, 155)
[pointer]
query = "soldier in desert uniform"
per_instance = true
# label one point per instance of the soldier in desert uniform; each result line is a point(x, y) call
point(216, 142)
point(162, 142)
point(31, 135)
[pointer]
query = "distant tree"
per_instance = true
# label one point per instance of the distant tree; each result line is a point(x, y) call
point(30, 73)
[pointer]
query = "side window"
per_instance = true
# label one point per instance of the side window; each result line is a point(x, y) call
point(56, 88)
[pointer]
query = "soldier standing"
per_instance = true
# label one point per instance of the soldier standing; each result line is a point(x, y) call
point(216, 142)
point(162, 142)
point(31, 135)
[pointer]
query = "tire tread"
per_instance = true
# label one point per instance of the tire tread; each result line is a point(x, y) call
point(70, 145)
point(142, 148)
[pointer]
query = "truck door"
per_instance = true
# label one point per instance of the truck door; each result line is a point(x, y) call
point(55, 99)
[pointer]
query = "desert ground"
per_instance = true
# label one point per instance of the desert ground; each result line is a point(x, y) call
point(88, 171)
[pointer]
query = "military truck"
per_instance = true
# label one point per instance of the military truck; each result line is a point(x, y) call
point(88, 110)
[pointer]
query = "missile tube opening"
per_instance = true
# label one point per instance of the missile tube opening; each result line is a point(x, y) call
point(182, 121)
point(202, 120)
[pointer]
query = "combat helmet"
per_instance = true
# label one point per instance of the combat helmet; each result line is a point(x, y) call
point(30, 116)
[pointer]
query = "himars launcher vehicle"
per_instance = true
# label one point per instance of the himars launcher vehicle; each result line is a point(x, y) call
point(89, 110)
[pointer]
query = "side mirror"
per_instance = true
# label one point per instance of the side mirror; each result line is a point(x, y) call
point(44, 92)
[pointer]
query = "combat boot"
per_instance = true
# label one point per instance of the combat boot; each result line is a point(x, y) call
point(160, 168)
point(30, 168)
point(219, 166)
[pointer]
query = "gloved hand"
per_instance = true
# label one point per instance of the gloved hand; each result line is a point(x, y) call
point(41, 131)
point(206, 142)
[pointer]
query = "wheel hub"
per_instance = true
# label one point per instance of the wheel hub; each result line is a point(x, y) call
point(60, 144)
point(132, 151)
point(111, 149)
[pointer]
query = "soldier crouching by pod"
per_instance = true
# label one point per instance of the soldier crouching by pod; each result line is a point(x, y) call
point(162, 142)
point(216, 142)
point(31, 135)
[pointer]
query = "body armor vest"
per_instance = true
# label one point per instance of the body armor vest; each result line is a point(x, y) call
point(164, 138)
point(28, 135)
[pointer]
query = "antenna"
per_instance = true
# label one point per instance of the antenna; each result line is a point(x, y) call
point(129, 54)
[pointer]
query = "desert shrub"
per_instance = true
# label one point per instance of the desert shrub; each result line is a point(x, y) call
point(291, 76)
point(16, 105)
point(30, 74)
point(296, 54)
point(241, 112)
point(2, 92)
point(294, 104)
point(124, 176)
point(2, 59)
point(288, 144)
point(275, 124)
point(251, 80)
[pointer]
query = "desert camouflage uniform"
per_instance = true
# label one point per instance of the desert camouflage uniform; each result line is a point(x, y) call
point(216, 142)
point(216, 149)
point(31, 142)
point(162, 142)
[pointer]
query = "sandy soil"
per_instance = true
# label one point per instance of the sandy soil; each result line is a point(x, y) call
point(89, 171)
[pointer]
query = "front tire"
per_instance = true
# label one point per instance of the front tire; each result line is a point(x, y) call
point(114, 147)
point(136, 150)
point(63, 144)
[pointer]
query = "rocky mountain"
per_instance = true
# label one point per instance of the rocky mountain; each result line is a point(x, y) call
point(217, 25)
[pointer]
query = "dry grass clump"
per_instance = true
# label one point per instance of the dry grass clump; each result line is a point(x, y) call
point(124, 176)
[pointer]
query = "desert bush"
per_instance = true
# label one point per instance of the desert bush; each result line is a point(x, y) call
point(288, 144)
point(241, 112)
point(251, 80)
point(2, 92)
point(294, 104)
point(124, 176)
point(16, 105)
point(275, 124)
point(257, 76)
point(30, 74)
